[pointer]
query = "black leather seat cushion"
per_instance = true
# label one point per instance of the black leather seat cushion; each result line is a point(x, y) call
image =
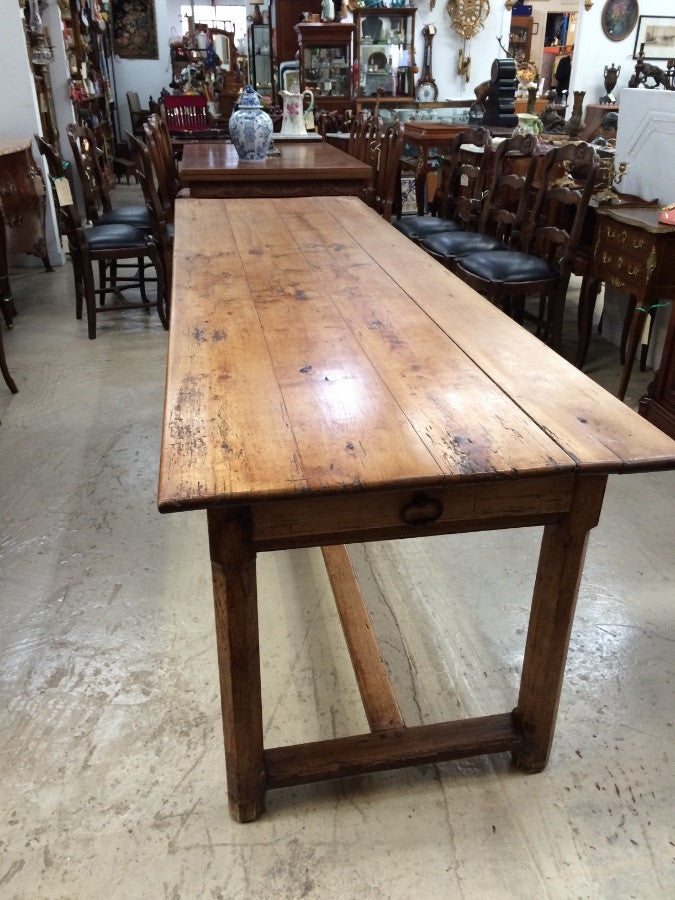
point(116, 237)
point(127, 215)
point(461, 243)
point(510, 267)
point(420, 226)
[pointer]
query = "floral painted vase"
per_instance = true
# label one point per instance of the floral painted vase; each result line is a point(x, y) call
point(250, 128)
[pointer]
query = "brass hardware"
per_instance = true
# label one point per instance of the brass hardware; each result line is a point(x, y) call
point(633, 271)
point(651, 263)
point(464, 65)
point(638, 244)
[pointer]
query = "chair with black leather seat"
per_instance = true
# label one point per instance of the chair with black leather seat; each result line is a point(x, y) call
point(104, 244)
point(169, 184)
point(450, 189)
point(364, 144)
point(162, 230)
point(97, 204)
point(388, 175)
point(512, 164)
point(549, 238)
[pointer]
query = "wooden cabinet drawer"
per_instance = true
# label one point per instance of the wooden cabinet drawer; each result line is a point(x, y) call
point(622, 266)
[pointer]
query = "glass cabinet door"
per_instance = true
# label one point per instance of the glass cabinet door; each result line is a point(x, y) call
point(326, 59)
point(385, 51)
point(260, 59)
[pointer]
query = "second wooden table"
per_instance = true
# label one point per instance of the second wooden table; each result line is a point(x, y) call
point(303, 169)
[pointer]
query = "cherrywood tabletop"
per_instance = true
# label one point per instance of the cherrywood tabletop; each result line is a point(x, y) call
point(301, 160)
point(313, 348)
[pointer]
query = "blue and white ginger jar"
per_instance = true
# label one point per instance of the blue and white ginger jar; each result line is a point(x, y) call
point(250, 128)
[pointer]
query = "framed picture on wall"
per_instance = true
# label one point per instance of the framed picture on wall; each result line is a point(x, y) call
point(618, 18)
point(657, 33)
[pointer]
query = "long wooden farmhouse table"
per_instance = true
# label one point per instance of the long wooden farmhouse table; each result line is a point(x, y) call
point(328, 382)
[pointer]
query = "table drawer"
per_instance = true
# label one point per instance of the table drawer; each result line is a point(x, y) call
point(409, 513)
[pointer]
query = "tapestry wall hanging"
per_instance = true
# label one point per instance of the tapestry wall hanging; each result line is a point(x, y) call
point(134, 29)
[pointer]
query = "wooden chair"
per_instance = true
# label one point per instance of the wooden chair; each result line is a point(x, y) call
point(364, 144)
point(512, 164)
point(450, 189)
point(163, 161)
point(387, 197)
point(137, 113)
point(162, 230)
point(549, 237)
point(106, 245)
point(185, 115)
point(97, 204)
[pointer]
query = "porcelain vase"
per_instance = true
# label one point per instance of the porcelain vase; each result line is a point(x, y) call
point(250, 128)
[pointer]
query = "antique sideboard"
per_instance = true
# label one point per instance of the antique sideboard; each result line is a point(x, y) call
point(22, 198)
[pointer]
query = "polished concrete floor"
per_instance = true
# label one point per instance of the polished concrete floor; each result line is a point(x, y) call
point(112, 780)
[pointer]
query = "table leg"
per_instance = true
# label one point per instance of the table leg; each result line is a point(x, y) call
point(561, 561)
point(236, 611)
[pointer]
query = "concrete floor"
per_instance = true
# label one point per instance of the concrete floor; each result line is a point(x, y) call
point(111, 754)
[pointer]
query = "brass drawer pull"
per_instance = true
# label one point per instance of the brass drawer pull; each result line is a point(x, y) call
point(633, 271)
point(421, 510)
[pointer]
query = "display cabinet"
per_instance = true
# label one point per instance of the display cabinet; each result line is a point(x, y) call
point(326, 57)
point(520, 38)
point(385, 53)
point(260, 59)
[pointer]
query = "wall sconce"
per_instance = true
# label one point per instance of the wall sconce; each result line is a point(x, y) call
point(588, 4)
point(509, 4)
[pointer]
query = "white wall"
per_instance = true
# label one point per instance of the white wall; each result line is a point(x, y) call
point(594, 51)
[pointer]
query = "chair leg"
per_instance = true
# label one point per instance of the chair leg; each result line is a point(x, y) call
point(141, 280)
point(5, 371)
point(162, 294)
point(90, 299)
point(102, 279)
point(77, 275)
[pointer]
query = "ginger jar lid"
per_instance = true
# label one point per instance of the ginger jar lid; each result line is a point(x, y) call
point(250, 99)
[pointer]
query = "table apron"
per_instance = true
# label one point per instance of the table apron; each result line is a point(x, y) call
point(446, 509)
point(323, 187)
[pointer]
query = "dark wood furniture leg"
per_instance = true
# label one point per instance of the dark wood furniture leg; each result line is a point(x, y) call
point(5, 371)
point(561, 562)
point(236, 612)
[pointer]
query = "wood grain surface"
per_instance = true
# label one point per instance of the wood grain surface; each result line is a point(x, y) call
point(314, 349)
point(303, 160)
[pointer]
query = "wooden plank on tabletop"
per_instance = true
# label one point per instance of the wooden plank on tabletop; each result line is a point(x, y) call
point(584, 419)
point(220, 380)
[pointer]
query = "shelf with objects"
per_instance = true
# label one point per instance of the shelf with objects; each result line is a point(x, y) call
point(520, 38)
point(260, 62)
point(205, 63)
point(385, 54)
point(89, 54)
point(326, 59)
